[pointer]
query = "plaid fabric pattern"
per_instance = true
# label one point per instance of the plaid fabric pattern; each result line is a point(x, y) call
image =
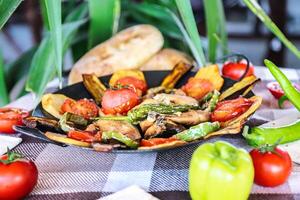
point(73, 173)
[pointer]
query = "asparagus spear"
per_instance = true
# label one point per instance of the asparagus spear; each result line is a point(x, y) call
point(140, 113)
point(198, 131)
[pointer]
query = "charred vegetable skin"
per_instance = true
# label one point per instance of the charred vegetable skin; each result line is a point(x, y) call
point(94, 86)
point(140, 113)
point(258, 136)
point(179, 70)
point(198, 131)
point(290, 91)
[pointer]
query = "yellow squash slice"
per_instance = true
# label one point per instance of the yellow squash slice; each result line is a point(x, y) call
point(212, 74)
point(52, 104)
point(64, 139)
point(123, 73)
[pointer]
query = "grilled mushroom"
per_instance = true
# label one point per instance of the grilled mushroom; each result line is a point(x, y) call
point(192, 117)
point(122, 127)
point(176, 99)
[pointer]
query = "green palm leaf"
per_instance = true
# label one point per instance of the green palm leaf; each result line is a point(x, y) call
point(186, 13)
point(7, 7)
point(104, 16)
point(53, 10)
point(4, 96)
point(215, 25)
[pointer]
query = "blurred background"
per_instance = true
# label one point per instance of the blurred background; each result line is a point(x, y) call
point(246, 34)
point(23, 32)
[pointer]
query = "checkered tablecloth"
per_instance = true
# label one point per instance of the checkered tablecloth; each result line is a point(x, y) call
point(73, 173)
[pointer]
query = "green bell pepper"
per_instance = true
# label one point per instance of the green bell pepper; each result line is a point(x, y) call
point(220, 171)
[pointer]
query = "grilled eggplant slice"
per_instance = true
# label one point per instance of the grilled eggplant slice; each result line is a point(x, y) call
point(42, 123)
point(242, 87)
point(179, 70)
point(94, 86)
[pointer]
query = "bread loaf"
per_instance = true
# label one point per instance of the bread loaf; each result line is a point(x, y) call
point(128, 49)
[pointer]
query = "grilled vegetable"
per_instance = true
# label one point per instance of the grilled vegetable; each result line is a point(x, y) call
point(289, 90)
point(135, 73)
point(84, 136)
point(244, 84)
point(140, 113)
point(198, 131)
point(229, 109)
point(52, 103)
point(83, 107)
point(212, 74)
point(210, 101)
point(94, 86)
point(71, 121)
point(258, 136)
point(64, 139)
point(42, 123)
point(178, 71)
point(191, 117)
point(198, 88)
point(123, 127)
point(119, 137)
point(119, 101)
point(175, 99)
point(160, 143)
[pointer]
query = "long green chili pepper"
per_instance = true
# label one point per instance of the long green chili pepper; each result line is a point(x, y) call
point(258, 136)
point(119, 137)
point(290, 91)
point(198, 131)
point(140, 113)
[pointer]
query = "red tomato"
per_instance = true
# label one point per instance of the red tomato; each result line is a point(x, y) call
point(229, 109)
point(156, 141)
point(197, 88)
point(83, 107)
point(10, 117)
point(119, 101)
point(235, 70)
point(84, 136)
point(138, 85)
point(276, 90)
point(271, 168)
point(17, 178)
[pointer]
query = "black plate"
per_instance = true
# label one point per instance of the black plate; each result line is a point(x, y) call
point(154, 78)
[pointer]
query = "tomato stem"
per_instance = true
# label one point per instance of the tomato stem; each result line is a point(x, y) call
point(11, 157)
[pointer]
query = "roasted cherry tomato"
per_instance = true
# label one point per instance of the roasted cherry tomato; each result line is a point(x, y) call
point(138, 85)
point(10, 117)
point(85, 136)
point(197, 88)
point(119, 101)
point(229, 109)
point(235, 70)
point(272, 168)
point(18, 177)
point(83, 107)
point(156, 141)
point(276, 90)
